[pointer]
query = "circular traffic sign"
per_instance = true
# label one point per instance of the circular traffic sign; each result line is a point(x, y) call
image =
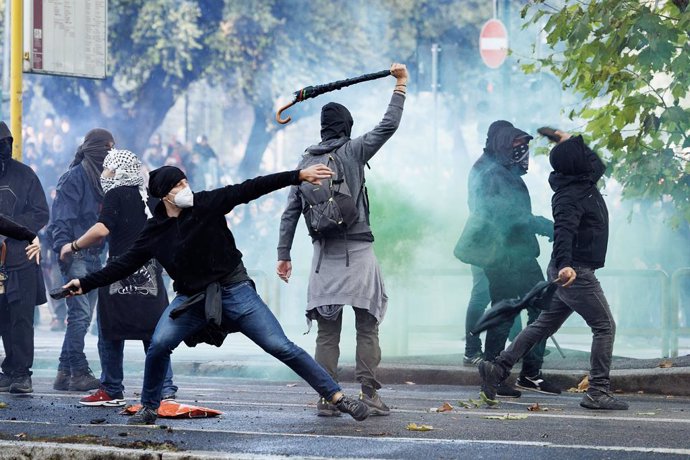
point(493, 43)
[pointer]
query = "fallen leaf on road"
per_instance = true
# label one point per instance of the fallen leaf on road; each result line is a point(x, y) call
point(3, 405)
point(536, 408)
point(485, 398)
point(410, 383)
point(581, 387)
point(665, 363)
point(290, 385)
point(445, 407)
point(20, 436)
point(475, 402)
point(646, 413)
point(415, 427)
point(466, 405)
point(505, 417)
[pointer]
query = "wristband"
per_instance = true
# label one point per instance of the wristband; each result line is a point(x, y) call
point(75, 246)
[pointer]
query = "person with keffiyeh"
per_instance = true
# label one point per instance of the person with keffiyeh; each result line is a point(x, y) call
point(128, 309)
point(78, 199)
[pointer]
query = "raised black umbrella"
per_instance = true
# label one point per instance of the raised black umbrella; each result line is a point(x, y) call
point(313, 91)
point(505, 310)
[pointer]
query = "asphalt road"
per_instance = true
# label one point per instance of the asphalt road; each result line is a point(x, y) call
point(263, 419)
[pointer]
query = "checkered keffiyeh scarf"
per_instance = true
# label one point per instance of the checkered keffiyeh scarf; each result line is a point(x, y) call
point(127, 169)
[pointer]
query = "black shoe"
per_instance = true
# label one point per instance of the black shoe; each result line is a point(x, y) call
point(144, 416)
point(61, 382)
point(506, 391)
point(492, 376)
point(357, 409)
point(84, 381)
point(538, 384)
point(5, 383)
point(376, 405)
point(472, 360)
point(326, 409)
point(169, 397)
point(22, 385)
point(595, 399)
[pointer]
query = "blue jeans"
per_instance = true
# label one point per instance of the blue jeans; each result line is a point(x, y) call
point(79, 312)
point(111, 353)
point(242, 307)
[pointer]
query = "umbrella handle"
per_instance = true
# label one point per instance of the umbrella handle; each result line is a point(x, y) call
point(279, 119)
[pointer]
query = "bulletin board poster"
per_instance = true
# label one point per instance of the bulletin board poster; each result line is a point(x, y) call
point(68, 37)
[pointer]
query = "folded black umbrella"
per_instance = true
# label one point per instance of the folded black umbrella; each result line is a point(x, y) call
point(505, 310)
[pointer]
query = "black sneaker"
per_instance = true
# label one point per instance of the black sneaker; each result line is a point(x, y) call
point(492, 376)
point(326, 409)
point(5, 383)
point(472, 360)
point(538, 384)
point(376, 405)
point(144, 416)
point(169, 397)
point(595, 399)
point(506, 391)
point(357, 409)
point(84, 381)
point(61, 382)
point(22, 385)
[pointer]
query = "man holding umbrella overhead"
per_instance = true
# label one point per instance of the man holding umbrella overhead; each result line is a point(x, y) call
point(579, 248)
point(344, 267)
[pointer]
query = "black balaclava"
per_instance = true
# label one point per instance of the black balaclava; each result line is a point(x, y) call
point(492, 132)
point(336, 121)
point(499, 145)
point(5, 147)
point(163, 179)
point(91, 154)
point(569, 158)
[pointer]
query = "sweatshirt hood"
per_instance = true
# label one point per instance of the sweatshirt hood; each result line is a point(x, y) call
point(327, 146)
point(5, 131)
point(570, 158)
point(336, 121)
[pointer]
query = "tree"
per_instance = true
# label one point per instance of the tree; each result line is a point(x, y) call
point(630, 62)
point(157, 48)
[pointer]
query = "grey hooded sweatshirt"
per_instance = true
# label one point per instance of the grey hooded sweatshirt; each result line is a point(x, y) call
point(354, 154)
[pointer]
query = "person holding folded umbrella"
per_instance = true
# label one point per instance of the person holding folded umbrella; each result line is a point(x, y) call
point(581, 227)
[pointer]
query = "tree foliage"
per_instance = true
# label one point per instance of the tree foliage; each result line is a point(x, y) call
point(630, 62)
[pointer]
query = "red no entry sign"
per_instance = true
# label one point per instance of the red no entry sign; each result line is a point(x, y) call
point(493, 43)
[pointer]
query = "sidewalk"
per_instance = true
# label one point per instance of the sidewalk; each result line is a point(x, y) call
point(239, 358)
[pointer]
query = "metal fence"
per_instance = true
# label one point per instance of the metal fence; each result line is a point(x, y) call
point(431, 304)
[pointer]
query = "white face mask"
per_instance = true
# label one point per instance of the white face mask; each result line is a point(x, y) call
point(184, 198)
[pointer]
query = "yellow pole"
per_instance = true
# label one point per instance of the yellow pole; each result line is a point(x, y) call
point(17, 13)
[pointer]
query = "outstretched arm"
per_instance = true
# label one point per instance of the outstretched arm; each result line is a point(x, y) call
point(366, 146)
point(226, 198)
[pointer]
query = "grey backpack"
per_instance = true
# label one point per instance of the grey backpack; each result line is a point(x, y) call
point(329, 209)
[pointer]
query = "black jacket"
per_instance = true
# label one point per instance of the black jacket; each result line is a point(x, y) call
point(22, 199)
point(11, 229)
point(196, 248)
point(498, 195)
point(581, 220)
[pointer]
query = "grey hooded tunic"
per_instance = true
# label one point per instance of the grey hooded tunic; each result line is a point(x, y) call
point(338, 283)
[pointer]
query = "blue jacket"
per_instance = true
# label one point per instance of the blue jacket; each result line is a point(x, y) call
point(75, 209)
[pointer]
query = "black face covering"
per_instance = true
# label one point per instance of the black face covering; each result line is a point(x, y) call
point(520, 156)
point(5, 149)
point(336, 121)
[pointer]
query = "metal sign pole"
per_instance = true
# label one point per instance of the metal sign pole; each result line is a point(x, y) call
point(16, 77)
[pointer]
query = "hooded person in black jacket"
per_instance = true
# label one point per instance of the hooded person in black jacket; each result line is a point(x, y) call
point(580, 239)
point(499, 237)
point(22, 200)
point(189, 236)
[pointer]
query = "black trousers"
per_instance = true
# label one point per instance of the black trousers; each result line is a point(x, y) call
point(17, 327)
point(514, 279)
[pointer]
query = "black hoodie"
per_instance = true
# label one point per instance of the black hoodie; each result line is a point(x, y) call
point(23, 200)
point(498, 195)
point(581, 220)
